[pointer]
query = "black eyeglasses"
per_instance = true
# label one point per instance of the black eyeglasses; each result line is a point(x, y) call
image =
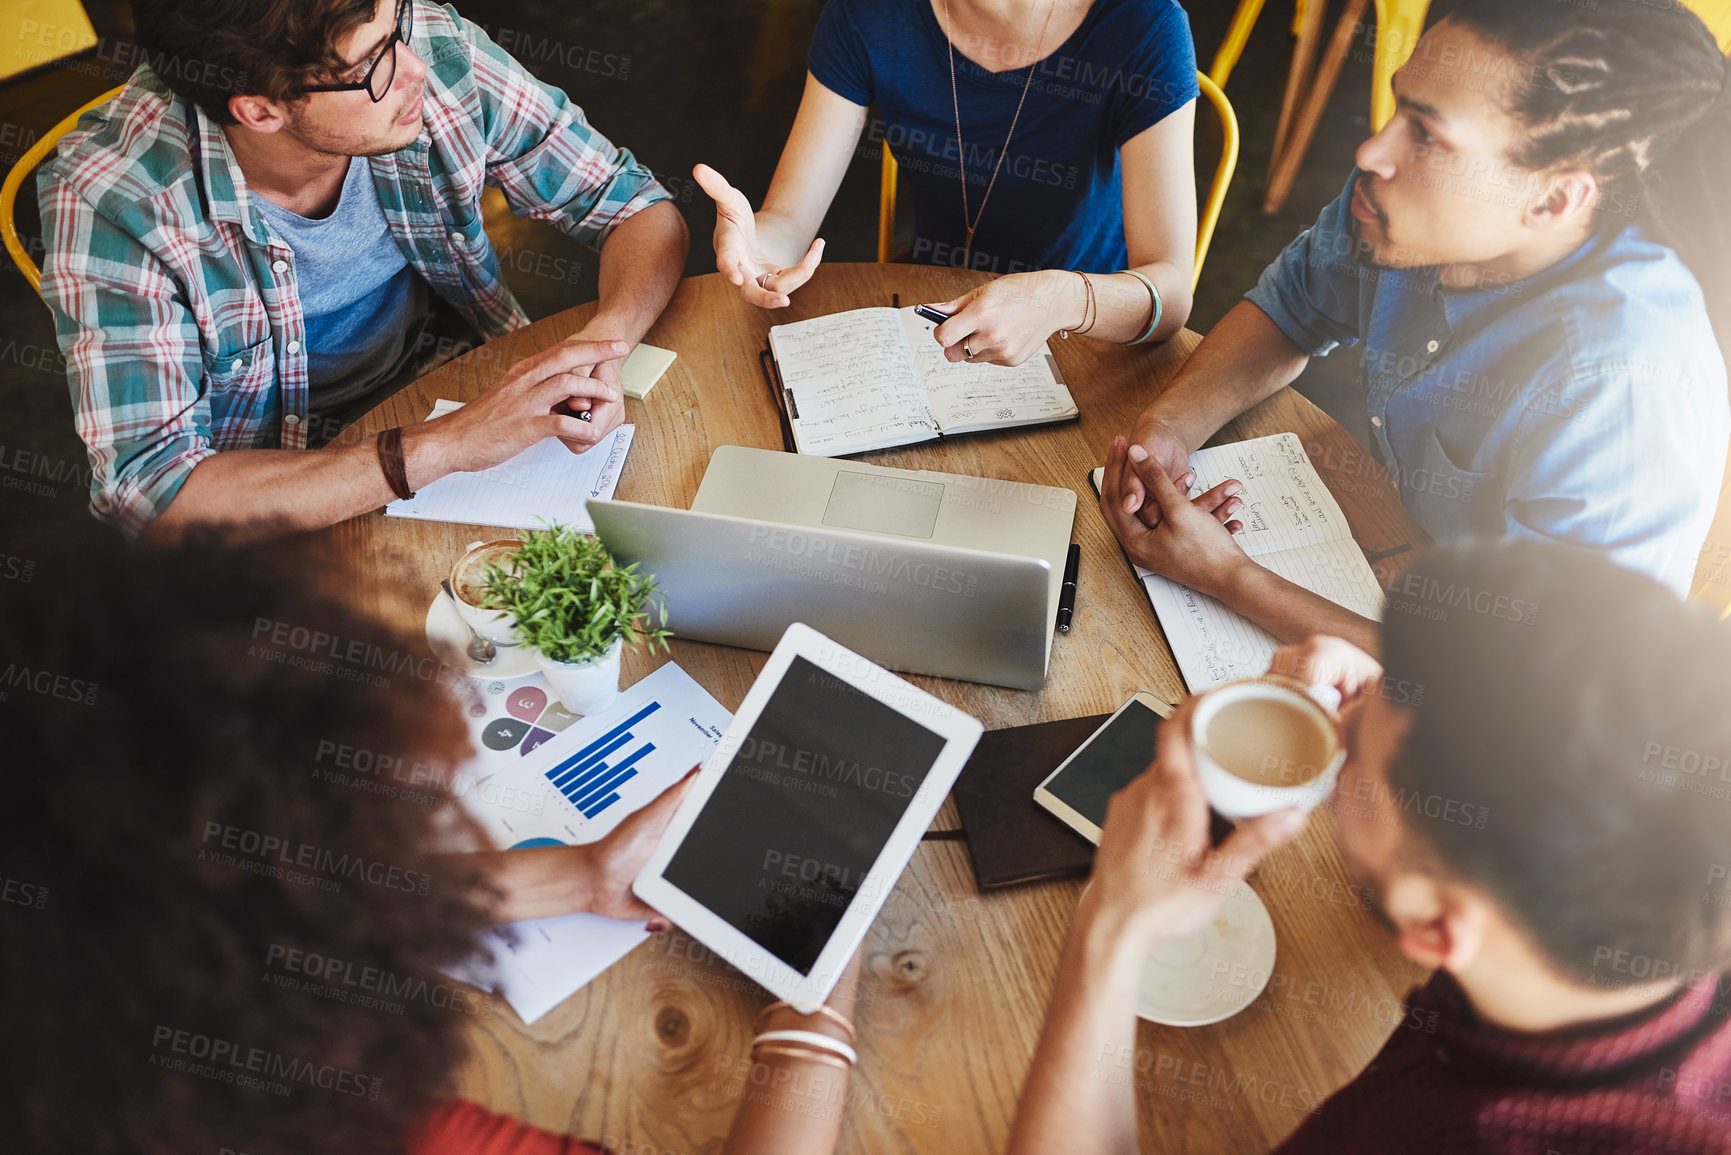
point(386, 61)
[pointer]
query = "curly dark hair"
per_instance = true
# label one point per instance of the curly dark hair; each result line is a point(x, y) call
point(210, 940)
point(1576, 713)
point(210, 50)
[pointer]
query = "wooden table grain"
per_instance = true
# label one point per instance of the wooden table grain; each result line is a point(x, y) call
point(648, 1058)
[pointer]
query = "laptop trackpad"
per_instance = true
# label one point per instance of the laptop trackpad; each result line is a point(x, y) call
point(878, 504)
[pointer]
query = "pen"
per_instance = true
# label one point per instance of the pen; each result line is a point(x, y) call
point(1067, 596)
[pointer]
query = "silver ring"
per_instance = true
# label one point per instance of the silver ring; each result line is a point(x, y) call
point(761, 278)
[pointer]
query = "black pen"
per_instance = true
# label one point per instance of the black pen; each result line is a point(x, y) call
point(1067, 596)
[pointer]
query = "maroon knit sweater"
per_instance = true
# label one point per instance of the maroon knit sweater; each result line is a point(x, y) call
point(1654, 1082)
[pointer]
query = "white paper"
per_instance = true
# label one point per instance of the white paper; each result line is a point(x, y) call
point(978, 394)
point(853, 381)
point(1294, 527)
point(545, 483)
point(534, 784)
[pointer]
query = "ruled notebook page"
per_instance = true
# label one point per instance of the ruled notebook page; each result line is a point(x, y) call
point(1294, 527)
point(853, 382)
point(967, 396)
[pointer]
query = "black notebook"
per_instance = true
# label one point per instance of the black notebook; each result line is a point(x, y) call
point(1011, 838)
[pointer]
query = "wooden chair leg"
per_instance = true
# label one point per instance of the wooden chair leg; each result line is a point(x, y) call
point(1307, 23)
point(1304, 127)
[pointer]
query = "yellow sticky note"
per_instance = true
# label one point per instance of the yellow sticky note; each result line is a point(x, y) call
point(643, 368)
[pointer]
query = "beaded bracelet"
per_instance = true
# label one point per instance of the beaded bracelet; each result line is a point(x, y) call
point(1159, 308)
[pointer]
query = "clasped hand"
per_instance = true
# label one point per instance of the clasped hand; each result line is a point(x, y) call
point(1186, 539)
point(537, 398)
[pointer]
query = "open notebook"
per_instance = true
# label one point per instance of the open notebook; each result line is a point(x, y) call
point(872, 378)
point(1293, 526)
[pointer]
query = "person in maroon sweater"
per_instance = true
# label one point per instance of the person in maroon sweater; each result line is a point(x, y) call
point(233, 873)
point(1573, 904)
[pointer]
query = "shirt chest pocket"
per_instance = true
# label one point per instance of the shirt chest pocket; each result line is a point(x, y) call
point(1444, 498)
point(238, 387)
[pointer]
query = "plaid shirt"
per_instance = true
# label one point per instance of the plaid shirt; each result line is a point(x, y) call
point(177, 307)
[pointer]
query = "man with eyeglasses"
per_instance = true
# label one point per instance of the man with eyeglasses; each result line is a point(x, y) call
point(249, 249)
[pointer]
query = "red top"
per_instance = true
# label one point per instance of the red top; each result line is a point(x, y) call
point(462, 1128)
point(1653, 1083)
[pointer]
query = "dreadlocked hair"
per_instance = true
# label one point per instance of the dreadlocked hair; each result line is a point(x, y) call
point(1635, 94)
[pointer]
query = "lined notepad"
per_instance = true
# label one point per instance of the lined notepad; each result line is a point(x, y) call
point(546, 483)
point(1293, 526)
point(874, 378)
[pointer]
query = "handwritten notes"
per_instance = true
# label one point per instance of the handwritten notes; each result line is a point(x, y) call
point(853, 381)
point(544, 483)
point(968, 397)
point(1294, 527)
point(874, 378)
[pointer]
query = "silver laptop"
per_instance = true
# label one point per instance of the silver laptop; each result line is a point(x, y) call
point(929, 573)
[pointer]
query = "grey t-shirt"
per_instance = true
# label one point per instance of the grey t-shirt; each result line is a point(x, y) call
point(365, 305)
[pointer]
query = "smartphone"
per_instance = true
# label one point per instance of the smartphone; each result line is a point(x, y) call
point(930, 314)
point(1078, 790)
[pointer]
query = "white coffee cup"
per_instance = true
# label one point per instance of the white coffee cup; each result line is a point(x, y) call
point(1263, 744)
point(497, 626)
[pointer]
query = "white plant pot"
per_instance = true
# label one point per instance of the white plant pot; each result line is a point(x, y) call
point(585, 687)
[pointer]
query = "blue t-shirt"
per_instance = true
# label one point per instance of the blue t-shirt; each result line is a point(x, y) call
point(1058, 202)
point(364, 304)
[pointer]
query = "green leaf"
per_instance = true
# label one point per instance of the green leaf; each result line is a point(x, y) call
point(570, 600)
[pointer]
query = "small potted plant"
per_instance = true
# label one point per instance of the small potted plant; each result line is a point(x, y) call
point(577, 610)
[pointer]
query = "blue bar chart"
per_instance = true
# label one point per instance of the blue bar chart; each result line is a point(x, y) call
point(590, 778)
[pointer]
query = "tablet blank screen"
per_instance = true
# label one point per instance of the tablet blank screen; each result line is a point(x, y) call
point(801, 813)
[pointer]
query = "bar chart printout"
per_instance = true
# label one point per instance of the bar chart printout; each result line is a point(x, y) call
point(590, 778)
point(602, 767)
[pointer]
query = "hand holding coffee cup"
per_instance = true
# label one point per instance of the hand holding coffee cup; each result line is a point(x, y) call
point(1263, 744)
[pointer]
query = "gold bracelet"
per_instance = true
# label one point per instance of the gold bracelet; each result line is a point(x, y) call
point(798, 1052)
point(1093, 303)
point(833, 1015)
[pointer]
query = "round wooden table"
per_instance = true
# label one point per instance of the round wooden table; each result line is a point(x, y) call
point(648, 1058)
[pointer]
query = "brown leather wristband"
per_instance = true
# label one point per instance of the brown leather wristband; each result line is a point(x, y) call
point(396, 470)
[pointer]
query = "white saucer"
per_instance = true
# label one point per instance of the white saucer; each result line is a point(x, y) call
point(449, 637)
point(1214, 973)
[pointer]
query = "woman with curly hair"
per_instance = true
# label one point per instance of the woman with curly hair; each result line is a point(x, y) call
point(186, 905)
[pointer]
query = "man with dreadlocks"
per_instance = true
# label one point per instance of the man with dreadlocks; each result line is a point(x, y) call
point(1528, 257)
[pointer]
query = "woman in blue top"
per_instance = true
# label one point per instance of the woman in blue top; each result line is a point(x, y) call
point(1067, 123)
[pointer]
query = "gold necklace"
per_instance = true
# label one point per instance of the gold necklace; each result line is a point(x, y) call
point(972, 221)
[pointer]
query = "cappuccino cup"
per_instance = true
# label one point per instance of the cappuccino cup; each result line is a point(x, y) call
point(1263, 744)
point(468, 583)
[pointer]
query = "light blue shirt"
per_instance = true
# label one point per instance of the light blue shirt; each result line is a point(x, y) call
point(364, 304)
point(1585, 405)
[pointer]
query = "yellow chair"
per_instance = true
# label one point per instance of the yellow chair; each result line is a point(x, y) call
point(1399, 24)
point(15, 179)
point(1210, 209)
